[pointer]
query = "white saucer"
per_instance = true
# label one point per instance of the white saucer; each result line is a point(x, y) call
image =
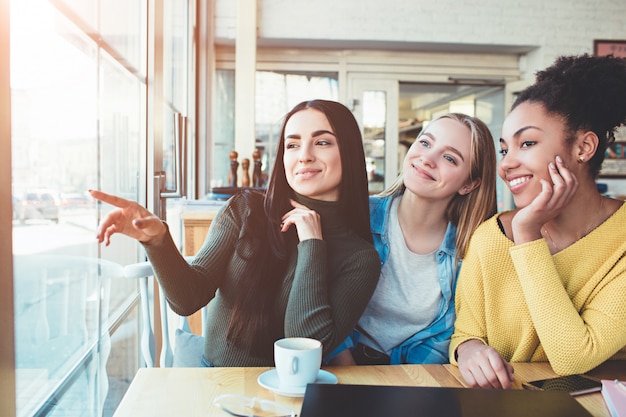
point(269, 380)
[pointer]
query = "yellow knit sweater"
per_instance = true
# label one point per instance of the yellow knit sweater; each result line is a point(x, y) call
point(568, 308)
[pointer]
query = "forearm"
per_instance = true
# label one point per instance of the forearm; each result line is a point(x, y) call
point(190, 287)
point(308, 310)
point(470, 320)
point(327, 308)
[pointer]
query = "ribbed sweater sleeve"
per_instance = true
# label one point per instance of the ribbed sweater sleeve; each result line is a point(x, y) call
point(190, 287)
point(568, 308)
point(325, 305)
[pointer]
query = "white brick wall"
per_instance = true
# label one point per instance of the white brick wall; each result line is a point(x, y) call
point(553, 27)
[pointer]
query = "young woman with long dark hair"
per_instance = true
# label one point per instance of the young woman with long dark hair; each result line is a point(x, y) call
point(296, 260)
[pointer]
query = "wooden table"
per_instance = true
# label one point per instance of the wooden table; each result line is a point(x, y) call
point(190, 391)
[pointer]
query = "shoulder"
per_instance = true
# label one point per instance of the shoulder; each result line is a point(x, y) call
point(618, 208)
point(377, 201)
point(504, 221)
point(245, 200)
point(363, 258)
point(249, 197)
point(241, 206)
point(351, 248)
point(379, 206)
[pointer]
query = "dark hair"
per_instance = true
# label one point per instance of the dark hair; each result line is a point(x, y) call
point(353, 194)
point(251, 322)
point(588, 93)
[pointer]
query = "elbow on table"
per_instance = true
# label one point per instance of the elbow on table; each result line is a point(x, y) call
point(579, 366)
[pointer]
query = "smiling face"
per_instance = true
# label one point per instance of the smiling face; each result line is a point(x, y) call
point(311, 158)
point(437, 165)
point(531, 139)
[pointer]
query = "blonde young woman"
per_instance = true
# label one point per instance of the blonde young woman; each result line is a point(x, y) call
point(421, 227)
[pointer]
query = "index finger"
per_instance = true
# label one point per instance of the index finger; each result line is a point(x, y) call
point(109, 198)
point(502, 371)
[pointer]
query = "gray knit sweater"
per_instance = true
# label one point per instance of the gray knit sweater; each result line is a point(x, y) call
point(326, 286)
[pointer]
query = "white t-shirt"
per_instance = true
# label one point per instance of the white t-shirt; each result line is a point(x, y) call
point(407, 297)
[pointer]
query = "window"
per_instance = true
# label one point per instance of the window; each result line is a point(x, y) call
point(78, 122)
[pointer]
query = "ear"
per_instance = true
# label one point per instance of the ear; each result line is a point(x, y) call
point(586, 146)
point(469, 187)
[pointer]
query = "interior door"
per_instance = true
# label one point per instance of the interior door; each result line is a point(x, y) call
point(375, 105)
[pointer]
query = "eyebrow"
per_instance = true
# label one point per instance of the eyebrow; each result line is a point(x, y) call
point(315, 134)
point(449, 148)
point(521, 130)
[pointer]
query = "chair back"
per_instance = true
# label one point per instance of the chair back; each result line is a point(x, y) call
point(179, 347)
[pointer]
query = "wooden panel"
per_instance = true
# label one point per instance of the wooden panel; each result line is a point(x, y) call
point(196, 225)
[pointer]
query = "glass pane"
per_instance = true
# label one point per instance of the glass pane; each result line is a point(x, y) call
point(224, 130)
point(122, 168)
point(175, 58)
point(123, 132)
point(59, 302)
point(54, 154)
point(76, 125)
point(374, 120)
point(175, 53)
point(123, 29)
point(84, 9)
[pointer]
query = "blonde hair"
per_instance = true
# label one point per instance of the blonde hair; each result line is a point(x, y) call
point(468, 211)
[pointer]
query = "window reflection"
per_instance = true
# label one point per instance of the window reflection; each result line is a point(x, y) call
point(77, 118)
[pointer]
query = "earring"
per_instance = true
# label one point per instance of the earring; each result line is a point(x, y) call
point(581, 159)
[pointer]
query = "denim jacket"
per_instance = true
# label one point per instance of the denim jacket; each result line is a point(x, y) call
point(429, 345)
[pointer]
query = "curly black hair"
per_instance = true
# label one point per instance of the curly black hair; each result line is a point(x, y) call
point(588, 92)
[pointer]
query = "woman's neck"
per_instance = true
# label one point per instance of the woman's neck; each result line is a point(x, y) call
point(423, 222)
point(585, 212)
point(328, 210)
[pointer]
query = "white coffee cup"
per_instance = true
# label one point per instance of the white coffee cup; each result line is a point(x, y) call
point(298, 360)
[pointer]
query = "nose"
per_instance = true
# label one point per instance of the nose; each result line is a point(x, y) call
point(427, 159)
point(305, 154)
point(508, 161)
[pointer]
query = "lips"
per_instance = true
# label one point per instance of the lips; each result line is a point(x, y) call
point(307, 173)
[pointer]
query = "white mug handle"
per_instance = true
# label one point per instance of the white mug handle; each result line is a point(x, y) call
point(293, 369)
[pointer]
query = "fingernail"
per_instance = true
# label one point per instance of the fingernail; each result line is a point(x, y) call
point(558, 159)
point(551, 165)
